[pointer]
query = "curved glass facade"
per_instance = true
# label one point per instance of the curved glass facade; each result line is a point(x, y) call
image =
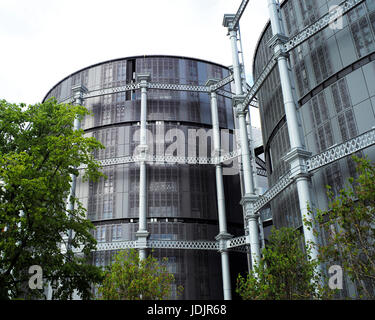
point(181, 199)
point(333, 74)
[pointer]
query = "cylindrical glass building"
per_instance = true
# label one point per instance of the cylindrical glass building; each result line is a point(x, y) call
point(333, 74)
point(181, 198)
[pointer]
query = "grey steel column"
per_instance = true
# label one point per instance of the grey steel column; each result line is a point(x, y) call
point(142, 232)
point(223, 235)
point(78, 92)
point(298, 155)
point(249, 197)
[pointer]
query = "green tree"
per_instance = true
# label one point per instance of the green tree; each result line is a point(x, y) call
point(348, 226)
point(39, 150)
point(284, 272)
point(129, 278)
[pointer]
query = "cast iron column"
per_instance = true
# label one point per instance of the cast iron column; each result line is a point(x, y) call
point(77, 92)
point(249, 197)
point(223, 235)
point(142, 232)
point(298, 155)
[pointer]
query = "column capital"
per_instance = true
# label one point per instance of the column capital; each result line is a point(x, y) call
point(143, 78)
point(228, 22)
point(297, 153)
point(297, 158)
point(141, 152)
point(237, 102)
point(276, 39)
point(248, 198)
point(276, 43)
point(209, 83)
point(78, 91)
point(247, 202)
point(222, 238)
point(142, 234)
point(238, 98)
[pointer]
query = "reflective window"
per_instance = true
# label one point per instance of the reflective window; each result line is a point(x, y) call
point(370, 5)
point(290, 18)
point(360, 27)
point(308, 11)
point(181, 198)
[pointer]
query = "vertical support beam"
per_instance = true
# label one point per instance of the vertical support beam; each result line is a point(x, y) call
point(245, 148)
point(249, 197)
point(261, 232)
point(252, 153)
point(298, 155)
point(142, 232)
point(223, 235)
point(78, 92)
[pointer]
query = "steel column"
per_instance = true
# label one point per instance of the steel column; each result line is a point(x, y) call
point(142, 232)
point(226, 274)
point(236, 62)
point(78, 92)
point(223, 235)
point(249, 197)
point(298, 155)
point(245, 153)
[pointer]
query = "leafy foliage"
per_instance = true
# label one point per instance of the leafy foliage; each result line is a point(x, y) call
point(349, 229)
point(284, 272)
point(129, 278)
point(39, 151)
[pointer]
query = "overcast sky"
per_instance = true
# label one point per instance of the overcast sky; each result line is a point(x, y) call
point(43, 41)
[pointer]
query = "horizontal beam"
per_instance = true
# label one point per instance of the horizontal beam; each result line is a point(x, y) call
point(159, 244)
point(328, 19)
point(333, 154)
point(221, 83)
point(271, 193)
point(318, 161)
point(183, 244)
point(237, 242)
point(260, 163)
point(250, 95)
point(305, 34)
point(233, 243)
point(168, 159)
point(159, 86)
point(239, 13)
point(117, 245)
point(341, 150)
point(102, 92)
point(261, 172)
point(178, 87)
point(224, 93)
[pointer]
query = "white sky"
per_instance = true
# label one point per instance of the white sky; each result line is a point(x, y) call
point(43, 41)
